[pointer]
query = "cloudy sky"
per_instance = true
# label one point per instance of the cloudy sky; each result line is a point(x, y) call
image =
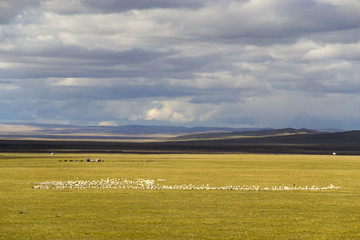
point(239, 63)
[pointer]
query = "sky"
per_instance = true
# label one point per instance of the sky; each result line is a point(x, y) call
point(234, 63)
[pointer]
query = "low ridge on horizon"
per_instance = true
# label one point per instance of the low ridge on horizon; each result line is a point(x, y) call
point(62, 131)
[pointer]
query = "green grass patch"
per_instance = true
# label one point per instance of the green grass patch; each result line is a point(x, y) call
point(28, 213)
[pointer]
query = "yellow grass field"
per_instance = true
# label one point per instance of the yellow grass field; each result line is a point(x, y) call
point(128, 213)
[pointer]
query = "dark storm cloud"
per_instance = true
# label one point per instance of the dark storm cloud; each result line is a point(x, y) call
point(116, 90)
point(264, 23)
point(125, 5)
point(75, 61)
point(9, 9)
point(58, 51)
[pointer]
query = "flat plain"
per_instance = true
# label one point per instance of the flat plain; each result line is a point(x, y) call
point(28, 213)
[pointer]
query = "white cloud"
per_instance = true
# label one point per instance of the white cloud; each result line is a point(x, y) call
point(108, 123)
point(175, 111)
point(335, 51)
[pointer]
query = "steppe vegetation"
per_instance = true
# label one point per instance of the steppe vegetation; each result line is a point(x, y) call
point(30, 212)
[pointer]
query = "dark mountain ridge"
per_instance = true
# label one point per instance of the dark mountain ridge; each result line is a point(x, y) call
point(247, 133)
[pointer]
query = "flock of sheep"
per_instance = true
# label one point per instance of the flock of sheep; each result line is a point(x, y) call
point(140, 183)
point(87, 160)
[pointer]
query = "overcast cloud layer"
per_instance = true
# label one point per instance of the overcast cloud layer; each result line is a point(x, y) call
point(240, 63)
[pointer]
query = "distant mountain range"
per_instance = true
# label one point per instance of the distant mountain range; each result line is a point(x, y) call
point(167, 139)
point(57, 131)
point(111, 132)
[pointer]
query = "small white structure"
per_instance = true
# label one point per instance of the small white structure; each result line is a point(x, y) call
point(52, 154)
point(334, 153)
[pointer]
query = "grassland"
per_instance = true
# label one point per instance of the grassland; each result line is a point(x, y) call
point(27, 213)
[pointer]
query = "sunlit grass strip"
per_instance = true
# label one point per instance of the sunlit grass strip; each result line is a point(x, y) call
point(139, 183)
